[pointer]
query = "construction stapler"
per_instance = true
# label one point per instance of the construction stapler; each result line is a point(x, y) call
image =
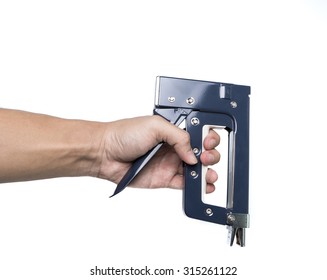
point(203, 104)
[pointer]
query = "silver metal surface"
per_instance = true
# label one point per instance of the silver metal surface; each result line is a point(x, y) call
point(156, 95)
point(238, 233)
point(195, 121)
point(231, 164)
point(209, 212)
point(190, 100)
point(171, 99)
point(193, 173)
point(230, 219)
point(222, 91)
point(240, 237)
point(237, 220)
point(233, 104)
point(196, 150)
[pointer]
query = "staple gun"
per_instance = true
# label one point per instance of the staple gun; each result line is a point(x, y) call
point(201, 104)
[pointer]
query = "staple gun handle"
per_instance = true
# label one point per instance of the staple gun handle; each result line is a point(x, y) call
point(194, 207)
point(235, 214)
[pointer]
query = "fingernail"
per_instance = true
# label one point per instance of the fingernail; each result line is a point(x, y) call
point(192, 157)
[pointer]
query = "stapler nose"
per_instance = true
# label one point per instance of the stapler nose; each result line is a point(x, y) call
point(237, 223)
point(239, 233)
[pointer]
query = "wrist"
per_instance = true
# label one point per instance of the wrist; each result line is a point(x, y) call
point(87, 147)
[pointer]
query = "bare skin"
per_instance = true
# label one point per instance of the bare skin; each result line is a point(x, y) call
point(36, 146)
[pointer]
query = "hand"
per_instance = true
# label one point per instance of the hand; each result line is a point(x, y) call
point(126, 140)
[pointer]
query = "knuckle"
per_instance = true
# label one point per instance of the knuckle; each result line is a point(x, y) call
point(185, 137)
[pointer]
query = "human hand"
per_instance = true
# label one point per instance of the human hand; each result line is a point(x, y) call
point(126, 140)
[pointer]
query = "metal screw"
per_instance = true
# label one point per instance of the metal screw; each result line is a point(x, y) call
point(190, 100)
point(196, 150)
point(195, 121)
point(233, 104)
point(209, 212)
point(231, 218)
point(193, 173)
point(171, 99)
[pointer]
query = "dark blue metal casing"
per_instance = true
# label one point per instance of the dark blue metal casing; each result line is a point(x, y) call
point(216, 104)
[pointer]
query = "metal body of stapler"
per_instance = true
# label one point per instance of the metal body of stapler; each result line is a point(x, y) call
point(199, 104)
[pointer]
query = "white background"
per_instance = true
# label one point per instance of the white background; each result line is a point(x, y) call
point(98, 60)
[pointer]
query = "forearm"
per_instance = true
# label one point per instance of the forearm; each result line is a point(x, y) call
point(35, 146)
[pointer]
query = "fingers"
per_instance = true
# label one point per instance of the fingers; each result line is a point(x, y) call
point(211, 176)
point(178, 138)
point(210, 157)
point(210, 188)
point(211, 141)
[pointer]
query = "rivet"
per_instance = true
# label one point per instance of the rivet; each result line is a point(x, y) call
point(209, 212)
point(193, 173)
point(171, 99)
point(190, 100)
point(231, 218)
point(233, 104)
point(195, 121)
point(196, 150)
